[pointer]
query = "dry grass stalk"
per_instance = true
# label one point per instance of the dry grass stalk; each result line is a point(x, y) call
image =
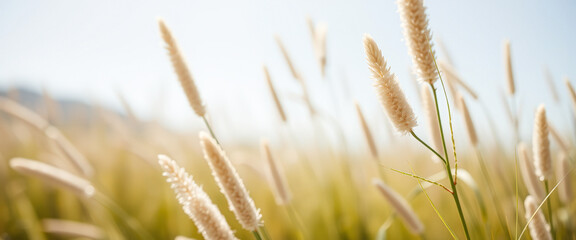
point(418, 38)
point(230, 184)
point(69, 151)
point(559, 140)
point(565, 192)
point(452, 75)
point(391, 96)
point(402, 207)
point(572, 93)
point(367, 132)
point(274, 95)
point(539, 229)
point(468, 121)
point(71, 228)
point(51, 107)
point(283, 194)
point(432, 121)
point(195, 202)
point(508, 67)
point(23, 114)
point(541, 145)
point(287, 58)
point(181, 69)
point(531, 181)
point(54, 176)
point(40, 124)
point(127, 108)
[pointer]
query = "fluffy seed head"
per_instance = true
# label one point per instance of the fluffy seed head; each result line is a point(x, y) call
point(367, 132)
point(508, 67)
point(53, 175)
point(283, 194)
point(468, 121)
point(539, 229)
point(274, 95)
point(230, 184)
point(181, 69)
point(391, 96)
point(401, 206)
point(71, 228)
point(418, 38)
point(541, 145)
point(565, 191)
point(531, 181)
point(571, 92)
point(195, 202)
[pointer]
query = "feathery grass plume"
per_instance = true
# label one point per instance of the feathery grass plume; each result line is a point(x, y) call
point(401, 206)
point(539, 229)
point(529, 174)
point(181, 69)
point(287, 58)
point(551, 85)
point(195, 202)
point(418, 39)
point(230, 184)
point(53, 175)
point(23, 114)
point(69, 151)
point(572, 93)
point(559, 140)
point(274, 94)
point(283, 194)
point(71, 228)
point(541, 145)
point(452, 75)
point(391, 96)
point(432, 121)
point(508, 67)
point(468, 121)
point(366, 130)
point(565, 191)
point(183, 238)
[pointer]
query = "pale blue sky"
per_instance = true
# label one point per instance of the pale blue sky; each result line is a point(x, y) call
point(90, 49)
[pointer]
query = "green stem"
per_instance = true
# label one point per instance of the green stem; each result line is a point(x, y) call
point(492, 192)
point(257, 235)
point(447, 163)
point(210, 129)
point(457, 200)
point(548, 202)
point(431, 149)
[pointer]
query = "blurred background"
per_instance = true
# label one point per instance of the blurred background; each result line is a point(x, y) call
point(94, 51)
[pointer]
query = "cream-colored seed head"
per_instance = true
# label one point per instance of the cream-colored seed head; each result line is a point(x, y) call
point(402, 207)
point(283, 194)
point(468, 121)
point(571, 92)
point(432, 121)
point(565, 192)
point(54, 176)
point(531, 181)
point(195, 202)
point(539, 229)
point(69, 228)
point(274, 94)
point(541, 145)
point(230, 183)
point(391, 96)
point(508, 67)
point(181, 69)
point(418, 38)
point(367, 132)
